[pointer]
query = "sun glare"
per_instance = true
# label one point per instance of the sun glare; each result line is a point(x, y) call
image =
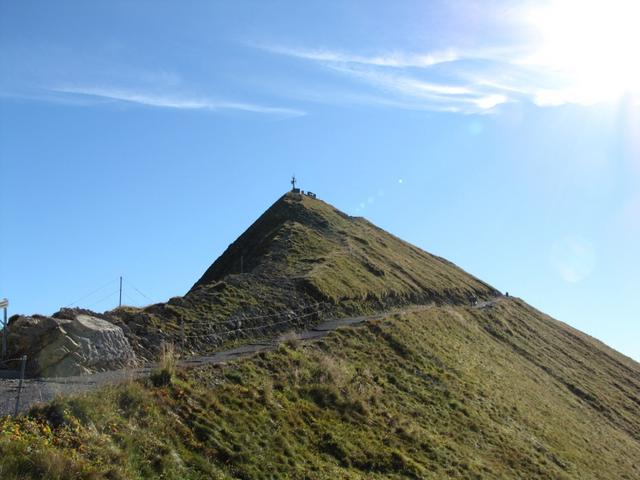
point(591, 45)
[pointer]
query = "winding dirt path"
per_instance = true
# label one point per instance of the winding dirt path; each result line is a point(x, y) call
point(42, 390)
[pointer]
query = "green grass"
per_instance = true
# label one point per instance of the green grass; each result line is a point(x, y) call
point(342, 257)
point(448, 392)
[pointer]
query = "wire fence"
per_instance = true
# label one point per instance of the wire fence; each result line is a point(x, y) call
point(21, 370)
point(92, 302)
point(5, 363)
point(202, 332)
point(257, 327)
point(316, 306)
point(37, 390)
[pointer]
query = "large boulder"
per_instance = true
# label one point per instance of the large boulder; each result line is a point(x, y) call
point(72, 342)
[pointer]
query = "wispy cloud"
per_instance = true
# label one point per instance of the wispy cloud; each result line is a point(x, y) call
point(393, 59)
point(457, 80)
point(423, 81)
point(172, 101)
point(421, 94)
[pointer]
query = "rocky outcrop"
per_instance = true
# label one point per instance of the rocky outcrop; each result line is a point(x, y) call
point(72, 342)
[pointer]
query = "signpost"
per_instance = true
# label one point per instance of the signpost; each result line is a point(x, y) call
point(4, 303)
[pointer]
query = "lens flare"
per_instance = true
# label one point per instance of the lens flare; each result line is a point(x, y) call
point(573, 259)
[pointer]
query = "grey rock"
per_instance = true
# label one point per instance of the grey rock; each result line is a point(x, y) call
point(74, 343)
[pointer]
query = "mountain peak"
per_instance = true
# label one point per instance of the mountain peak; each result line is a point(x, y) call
point(339, 257)
point(256, 250)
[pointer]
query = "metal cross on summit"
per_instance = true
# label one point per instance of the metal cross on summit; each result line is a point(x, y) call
point(293, 182)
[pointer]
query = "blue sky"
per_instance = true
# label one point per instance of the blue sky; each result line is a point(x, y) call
point(141, 138)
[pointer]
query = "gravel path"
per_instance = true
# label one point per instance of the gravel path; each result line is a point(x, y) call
point(42, 390)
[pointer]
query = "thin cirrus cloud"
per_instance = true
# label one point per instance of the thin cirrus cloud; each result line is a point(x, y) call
point(423, 94)
point(170, 101)
point(404, 79)
point(393, 59)
point(455, 80)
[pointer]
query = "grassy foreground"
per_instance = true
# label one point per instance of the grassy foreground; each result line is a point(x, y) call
point(450, 392)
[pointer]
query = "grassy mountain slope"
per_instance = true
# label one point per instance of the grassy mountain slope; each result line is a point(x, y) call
point(339, 257)
point(446, 392)
point(299, 253)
